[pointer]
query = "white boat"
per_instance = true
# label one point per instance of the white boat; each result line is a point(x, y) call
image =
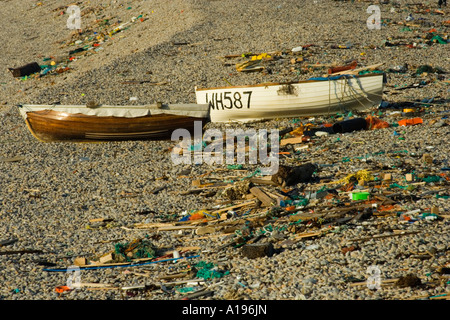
point(314, 97)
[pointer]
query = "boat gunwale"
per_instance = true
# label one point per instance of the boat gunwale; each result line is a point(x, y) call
point(49, 109)
point(45, 113)
point(267, 84)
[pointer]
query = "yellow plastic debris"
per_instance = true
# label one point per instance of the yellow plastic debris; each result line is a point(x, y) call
point(363, 175)
point(252, 65)
point(298, 131)
point(261, 56)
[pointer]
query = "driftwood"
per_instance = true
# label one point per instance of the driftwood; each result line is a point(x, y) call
point(355, 71)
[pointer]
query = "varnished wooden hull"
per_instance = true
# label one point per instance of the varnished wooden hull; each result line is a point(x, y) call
point(50, 125)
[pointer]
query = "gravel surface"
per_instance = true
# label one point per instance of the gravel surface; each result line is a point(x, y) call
point(50, 192)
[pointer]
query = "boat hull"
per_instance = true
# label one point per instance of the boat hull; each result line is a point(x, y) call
point(52, 125)
point(287, 100)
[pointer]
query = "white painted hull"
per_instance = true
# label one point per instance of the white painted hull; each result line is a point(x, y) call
point(299, 99)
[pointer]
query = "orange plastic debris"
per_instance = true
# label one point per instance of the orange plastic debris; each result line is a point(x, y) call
point(410, 122)
point(197, 216)
point(386, 208)
point(61, 289)
point(375, 123)
point(348, 187)
point(329, 196)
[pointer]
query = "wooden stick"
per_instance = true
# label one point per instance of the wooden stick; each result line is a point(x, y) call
point(355, 71)
point(152, 225)
point(92, 285)
point(183, 282)
point(173, 228)
point(308, 235)
point(266, 180)
point(383, 282)
point(234, 207)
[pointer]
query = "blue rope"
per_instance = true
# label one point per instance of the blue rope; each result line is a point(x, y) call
point(332, 78)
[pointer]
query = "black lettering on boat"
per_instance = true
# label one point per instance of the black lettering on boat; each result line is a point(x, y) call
point(249, 94)
point(219, 100)
point(226, 96)
point(237, 100)
point(210, 102)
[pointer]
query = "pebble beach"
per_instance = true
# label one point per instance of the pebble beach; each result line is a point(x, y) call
point(61, 201)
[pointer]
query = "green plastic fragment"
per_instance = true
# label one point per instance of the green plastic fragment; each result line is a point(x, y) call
point(257, 171)
point(207, 271)
point(439, 39)
point(395, 185)
point(431, 179)
point(235, 166)
point(186, 289)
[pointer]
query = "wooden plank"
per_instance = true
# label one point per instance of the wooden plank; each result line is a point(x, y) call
point(308, 235)
point(274, 194)
point(93, 285)
point(98, 264)
point(80, 261)
point(152, 225)
point(287, 141)
point(107, 258)
point(101, 220)
point(262, 196)
point(383, 283)
point(174, 228)
point(267, 180)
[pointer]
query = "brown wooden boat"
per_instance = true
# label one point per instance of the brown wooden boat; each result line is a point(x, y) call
point(81, 123)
